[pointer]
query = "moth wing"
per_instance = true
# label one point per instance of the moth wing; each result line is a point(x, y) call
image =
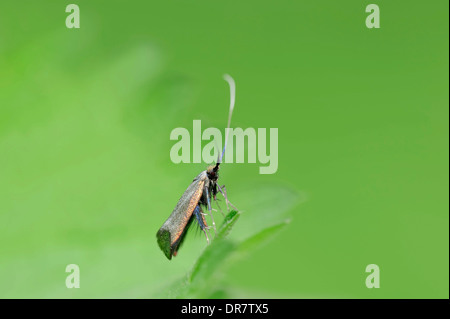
point(172, 231)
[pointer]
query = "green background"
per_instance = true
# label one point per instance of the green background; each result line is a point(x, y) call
point(362, 114)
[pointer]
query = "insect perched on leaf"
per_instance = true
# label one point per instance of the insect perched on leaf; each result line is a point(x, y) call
point(199, 194)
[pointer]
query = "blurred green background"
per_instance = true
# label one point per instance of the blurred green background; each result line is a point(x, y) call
point(85, 118)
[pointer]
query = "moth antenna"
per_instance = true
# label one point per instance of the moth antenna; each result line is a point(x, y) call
point(232, 84)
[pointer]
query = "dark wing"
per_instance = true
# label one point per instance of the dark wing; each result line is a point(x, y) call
point(172, 231)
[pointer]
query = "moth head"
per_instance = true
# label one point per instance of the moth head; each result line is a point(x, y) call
point(212, 172)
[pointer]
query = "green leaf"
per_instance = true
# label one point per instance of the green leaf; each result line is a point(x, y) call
point(228, 224)
point(261, 237)
point(235, 240)
point(217, 251)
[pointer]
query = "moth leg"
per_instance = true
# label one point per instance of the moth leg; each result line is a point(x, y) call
point(208, 201)
point(225, 196)
point(223, 191)
point(214, 192)
point(221, 211)
point(201, 221)
point(231, 204)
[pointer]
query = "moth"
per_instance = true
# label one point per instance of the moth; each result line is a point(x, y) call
point(198, 195)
